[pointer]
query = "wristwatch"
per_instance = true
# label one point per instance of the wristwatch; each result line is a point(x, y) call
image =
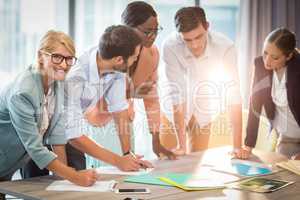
point(126, 153)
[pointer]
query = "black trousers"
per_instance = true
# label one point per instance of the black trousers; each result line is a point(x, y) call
point(32, 170)
point(75, 158)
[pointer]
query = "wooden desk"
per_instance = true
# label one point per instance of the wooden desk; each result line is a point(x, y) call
point(35, 188)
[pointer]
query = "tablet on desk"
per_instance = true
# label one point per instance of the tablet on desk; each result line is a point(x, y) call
point(261, 185)
point(245, 168)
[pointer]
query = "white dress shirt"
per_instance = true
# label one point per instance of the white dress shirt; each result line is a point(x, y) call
point(284, 121)
point(206, 84)
point(48, 110)
point(84, 88)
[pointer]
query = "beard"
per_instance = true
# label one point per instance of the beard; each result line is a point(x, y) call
point(120, 69)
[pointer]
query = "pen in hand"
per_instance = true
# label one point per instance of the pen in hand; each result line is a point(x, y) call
point(134, 156)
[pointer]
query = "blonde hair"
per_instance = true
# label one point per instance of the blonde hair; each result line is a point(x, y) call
point(53, 38)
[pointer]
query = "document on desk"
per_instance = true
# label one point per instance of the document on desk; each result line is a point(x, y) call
point(245, 168)
point(99, 186)
point(292, 165)
point(192, 182)
point(116, 171)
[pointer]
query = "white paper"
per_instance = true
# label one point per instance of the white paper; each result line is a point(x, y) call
point(99, 186)
point(295, 163)
point(116, 171)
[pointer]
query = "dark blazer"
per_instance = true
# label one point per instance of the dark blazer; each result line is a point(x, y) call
point(261, 95)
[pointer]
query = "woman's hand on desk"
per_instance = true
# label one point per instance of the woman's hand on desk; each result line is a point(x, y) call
point(179, 151)
point(242, 153)
point(296, 156)
point(85, 177)
point(159, 149)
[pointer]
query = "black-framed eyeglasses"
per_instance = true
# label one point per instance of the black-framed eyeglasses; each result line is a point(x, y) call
point(58, 58)
point(151, 33)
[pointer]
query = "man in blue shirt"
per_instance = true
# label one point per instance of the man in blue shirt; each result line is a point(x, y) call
point(100, 74)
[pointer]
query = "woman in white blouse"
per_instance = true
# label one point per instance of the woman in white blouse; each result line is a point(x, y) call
point(275, 88)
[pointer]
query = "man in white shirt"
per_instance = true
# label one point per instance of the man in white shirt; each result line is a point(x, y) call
point(100, 74)
point(199, 78)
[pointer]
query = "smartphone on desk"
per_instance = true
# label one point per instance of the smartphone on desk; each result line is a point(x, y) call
point(133, 191)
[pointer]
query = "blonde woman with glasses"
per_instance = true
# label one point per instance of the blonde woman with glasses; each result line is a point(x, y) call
point(30, 111)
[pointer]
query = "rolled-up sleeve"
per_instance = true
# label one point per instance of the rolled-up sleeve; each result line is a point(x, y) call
point(115, 95)
point(75, 121)
point(175, 83)
point(233, 95)
point(22, 115)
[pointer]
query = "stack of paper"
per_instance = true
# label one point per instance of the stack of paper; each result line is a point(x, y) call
point(292, 165)
point(190, 182)
point(204, 180)
point(147, 179)
point(64, 185)
point(116, 171)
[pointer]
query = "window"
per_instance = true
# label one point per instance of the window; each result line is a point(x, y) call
point(93, 17)
point(222, 16)
point(23, 22)
point(166, 11)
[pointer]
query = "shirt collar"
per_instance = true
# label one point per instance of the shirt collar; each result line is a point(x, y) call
point(283, 78)
point(207, 51)
point(93, 67)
